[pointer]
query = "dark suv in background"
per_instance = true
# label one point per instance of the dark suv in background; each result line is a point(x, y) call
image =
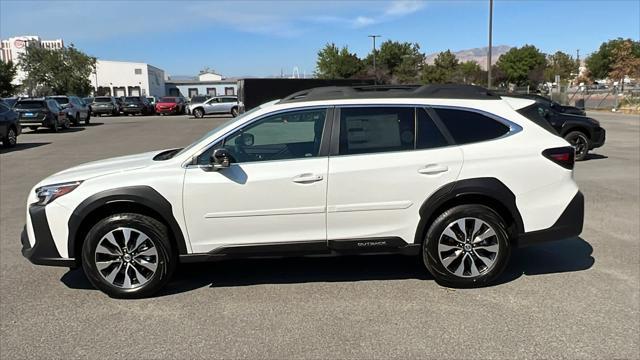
point(105, 105)
point(75, 108)
point(583, 132)
point(36, 112)
point(137, 105)
point(9, 126)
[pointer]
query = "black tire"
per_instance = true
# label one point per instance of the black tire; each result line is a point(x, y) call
point(76, 120)
point(158, 236)
point(234, 111)
point(66, 124)
point(198, 113)
point(87, 121)
point(580, 142)
point(445, 275)
point(55, 126)
point(11, 138)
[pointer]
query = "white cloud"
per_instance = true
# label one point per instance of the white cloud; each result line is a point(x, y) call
point(362, 21)
point(404, 7)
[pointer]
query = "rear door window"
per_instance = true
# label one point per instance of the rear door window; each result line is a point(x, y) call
point(468, 127)
point(376, 129)
point(428, 134)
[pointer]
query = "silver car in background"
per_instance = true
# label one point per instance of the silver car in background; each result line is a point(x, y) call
point(225, 104)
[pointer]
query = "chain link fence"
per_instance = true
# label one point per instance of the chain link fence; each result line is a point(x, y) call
point(591, 99)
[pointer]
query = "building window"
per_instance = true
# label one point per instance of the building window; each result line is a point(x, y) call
point(138, 71)
point(229, 91)
point(211, 91)
point(193, 92)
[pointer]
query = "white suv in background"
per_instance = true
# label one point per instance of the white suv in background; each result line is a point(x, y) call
point(449, 173)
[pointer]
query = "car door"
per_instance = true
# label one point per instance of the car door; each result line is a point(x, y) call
point(210, 105)
point(385, 162)
point(274, 190)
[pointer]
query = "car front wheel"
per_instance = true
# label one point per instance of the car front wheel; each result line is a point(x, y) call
point(128, 255)
point(10, 139)
point(199, 113)
point(466, 246)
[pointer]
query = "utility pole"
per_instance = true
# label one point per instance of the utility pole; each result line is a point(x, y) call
point(490, 44)
point(375, 73)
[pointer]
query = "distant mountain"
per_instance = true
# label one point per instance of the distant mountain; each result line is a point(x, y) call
point(478, 55)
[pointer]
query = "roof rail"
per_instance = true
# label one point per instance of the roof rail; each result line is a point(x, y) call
point(433, 91)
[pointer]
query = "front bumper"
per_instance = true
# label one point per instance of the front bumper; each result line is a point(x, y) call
point(599, 135)
point(569, 225)
point(130, 110)
point(44, 251)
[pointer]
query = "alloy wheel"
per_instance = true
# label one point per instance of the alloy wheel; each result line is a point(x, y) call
point(468, 247)
point(581, 144)
point(12, 138)
point(126, 258)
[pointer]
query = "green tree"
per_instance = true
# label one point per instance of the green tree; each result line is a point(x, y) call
point(522, 66)
point(561, 64)
point(63, 71)
point(8, 73)
point(600, 62)
point(469, 72)
point(444, 69)
point(397, 62)
point(335, 63)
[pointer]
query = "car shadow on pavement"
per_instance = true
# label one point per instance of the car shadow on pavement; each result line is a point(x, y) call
point(558, 257)
point(22, 146)
point(591, 156)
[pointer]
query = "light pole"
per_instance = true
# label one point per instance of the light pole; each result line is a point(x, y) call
point(490, 45)
point(375, 74)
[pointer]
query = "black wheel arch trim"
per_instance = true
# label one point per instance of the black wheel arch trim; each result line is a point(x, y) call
point(486, 187)
point(142, 195)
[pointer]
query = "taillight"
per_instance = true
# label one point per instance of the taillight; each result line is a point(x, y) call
point(564, 156)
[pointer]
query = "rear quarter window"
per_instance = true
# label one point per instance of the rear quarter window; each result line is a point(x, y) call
point(468, 127)
point(535, 113)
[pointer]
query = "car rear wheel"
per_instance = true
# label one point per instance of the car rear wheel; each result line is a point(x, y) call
point(88, 119)
point(466, 246)
point(10, 139)
point(128, 255)
point(580, 142)
point(199, 113)
point(76, 120)
point(66, 124)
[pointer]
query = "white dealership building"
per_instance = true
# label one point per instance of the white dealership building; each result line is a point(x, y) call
point(124, 78)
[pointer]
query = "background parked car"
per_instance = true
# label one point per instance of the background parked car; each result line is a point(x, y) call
point(36, 112)
point(89, 102)
point(583, 132)
point(170, 105)
point(152, 100)
point(9, 126)
point(76, 109)
point(137, 105)
point(105, 105)
point(10, 102)
point(216, 105)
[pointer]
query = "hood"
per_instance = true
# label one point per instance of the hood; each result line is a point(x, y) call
point(102, 167)
point(167, 103)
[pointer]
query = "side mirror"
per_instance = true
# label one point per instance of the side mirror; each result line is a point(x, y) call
point(245, 139)
point(220, 159)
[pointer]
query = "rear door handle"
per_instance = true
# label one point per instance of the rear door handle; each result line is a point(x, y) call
point(433, 169)
point(307, 178)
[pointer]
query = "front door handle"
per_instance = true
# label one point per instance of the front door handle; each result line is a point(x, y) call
point(433, 169)
point(307, 178)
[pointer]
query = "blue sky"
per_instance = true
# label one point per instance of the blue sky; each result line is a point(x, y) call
point(259, 38)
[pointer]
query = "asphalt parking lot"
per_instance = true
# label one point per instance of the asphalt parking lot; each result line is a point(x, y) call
point(575, 299)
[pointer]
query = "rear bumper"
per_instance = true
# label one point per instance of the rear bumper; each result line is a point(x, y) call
point(101, 110)
point(44, 251)
point(599, 135)
point(568, 225)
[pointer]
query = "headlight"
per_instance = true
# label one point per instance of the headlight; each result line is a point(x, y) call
point(46, 194)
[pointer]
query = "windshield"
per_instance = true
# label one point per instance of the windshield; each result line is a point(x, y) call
point(132, 99)
point(167, 100)
point(102, 99)
point(30, 105)
point(222, 125)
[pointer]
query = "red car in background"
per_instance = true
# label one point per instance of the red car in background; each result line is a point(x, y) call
point(170, 105)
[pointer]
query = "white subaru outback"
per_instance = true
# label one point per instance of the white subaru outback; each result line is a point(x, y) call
point(453, 174)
